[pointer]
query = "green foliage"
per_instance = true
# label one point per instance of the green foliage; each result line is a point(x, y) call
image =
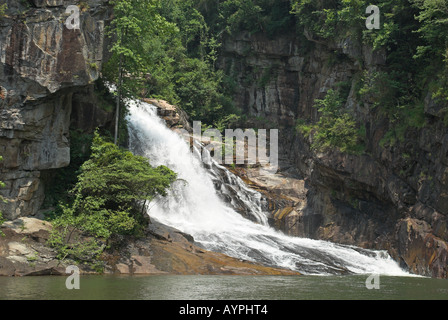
point(110, 196)
point(175, 58)
point(164, 49)
point(104, 100)
point(134, 23)
point(303, 127)
point(433, 18)
point(268, 16)
point(433, 51)
point(341, 18)
point(242, 15)
point(335, 128)
point(192, 30)
point(382, 89)
point(3, 8)
point(197, 86)
point(414, 37)
point(328, 18)
point(69, 242)
point(395, 101)
point(182, 66)
point(407, 116)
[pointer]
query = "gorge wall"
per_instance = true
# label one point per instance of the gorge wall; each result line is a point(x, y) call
point(46, 74)
point(390, 197)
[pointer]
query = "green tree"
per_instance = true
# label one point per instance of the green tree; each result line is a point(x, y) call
point(135, 21)
point(268, 16)
point(433, 18)
point(110, 198)
point(433, 51)
point(183, 66)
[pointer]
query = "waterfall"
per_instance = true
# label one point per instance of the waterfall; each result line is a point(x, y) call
point(195, 205)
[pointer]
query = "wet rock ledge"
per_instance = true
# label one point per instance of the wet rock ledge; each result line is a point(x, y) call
point(163, 250)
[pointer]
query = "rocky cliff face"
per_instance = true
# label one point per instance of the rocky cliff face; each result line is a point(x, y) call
point(388, 198)
point(393, 198)
point(44, 66)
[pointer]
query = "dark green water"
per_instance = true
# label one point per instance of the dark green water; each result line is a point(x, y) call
point(222, 288)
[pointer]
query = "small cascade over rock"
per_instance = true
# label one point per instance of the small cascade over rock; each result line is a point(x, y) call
point(232, 190)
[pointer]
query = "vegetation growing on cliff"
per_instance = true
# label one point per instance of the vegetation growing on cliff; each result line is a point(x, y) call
point(270, 17)
point(432, 52)
point(333, 20)
point(110, 196)
point(335, 128)
point(412, 34)
point(178, 53)
point(3, 8)
point(175, 58)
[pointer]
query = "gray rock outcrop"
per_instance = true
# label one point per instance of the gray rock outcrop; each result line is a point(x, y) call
point(392, 197)
point(42, 66)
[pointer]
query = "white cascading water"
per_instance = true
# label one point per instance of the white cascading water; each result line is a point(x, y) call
point(194, 206)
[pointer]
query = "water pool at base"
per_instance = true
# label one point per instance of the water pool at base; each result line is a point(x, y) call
point(223, 288)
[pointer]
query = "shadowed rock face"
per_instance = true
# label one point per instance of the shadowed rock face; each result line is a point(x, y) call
point(392, 198)
point(42, 65)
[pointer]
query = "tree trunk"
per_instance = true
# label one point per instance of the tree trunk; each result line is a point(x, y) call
point(117, 111)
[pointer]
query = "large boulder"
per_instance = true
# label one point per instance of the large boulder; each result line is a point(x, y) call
point(24, 250)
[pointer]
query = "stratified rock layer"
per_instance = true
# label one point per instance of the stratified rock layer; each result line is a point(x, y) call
point(42, 66)
point(391, 197)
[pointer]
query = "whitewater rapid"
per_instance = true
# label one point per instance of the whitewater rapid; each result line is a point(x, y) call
point(194, 207)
